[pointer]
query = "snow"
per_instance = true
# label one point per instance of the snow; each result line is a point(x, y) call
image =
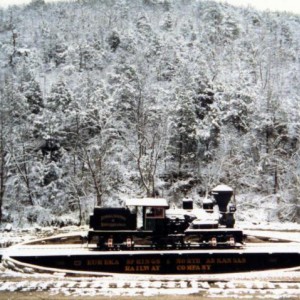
point(177, 56)
point(222, 188)
point(83, 286)
point(187, 86)
point(151, 202)
point(265, 284)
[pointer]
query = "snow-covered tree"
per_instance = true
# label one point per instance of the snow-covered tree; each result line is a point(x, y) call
point(105, 98)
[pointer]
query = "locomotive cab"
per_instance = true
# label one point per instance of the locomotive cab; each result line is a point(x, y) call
point(153, 212)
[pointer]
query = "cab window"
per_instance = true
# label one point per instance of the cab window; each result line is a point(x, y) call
point(155, 212)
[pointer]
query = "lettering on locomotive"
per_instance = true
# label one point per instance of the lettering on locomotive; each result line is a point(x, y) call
point(226, 260)
point(113, 221)
point(142, 265)
point(103, 262)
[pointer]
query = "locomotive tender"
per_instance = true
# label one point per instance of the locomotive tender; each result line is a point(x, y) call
point(162, 227)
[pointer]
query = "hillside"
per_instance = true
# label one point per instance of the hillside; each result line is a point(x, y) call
point(103, 100)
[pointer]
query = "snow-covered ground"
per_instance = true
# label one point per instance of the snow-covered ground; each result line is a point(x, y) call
point(91, 287)
point(258, 285)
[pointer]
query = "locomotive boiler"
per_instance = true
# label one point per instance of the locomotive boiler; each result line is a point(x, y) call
point(150, 223)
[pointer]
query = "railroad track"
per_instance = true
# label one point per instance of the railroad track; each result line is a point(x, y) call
point(110, 287)
point(268, 285)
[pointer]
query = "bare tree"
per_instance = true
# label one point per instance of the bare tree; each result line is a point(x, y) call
point(3, 171)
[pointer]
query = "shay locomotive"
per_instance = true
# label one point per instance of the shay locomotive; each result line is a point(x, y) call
point(149, 223)
point(157, 240)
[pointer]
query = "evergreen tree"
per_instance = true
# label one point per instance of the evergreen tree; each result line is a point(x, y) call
point(60, 97)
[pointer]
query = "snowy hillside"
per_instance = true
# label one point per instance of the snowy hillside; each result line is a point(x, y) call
point(104, 100)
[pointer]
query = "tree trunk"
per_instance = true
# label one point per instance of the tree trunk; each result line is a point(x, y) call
point(97, 186)
point(2, 175)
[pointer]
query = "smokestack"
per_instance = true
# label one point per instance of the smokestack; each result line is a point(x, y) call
point(222, 194)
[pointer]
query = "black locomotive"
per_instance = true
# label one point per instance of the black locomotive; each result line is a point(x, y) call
point(149, 223)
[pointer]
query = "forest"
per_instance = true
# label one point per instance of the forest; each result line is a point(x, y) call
point(105, 100)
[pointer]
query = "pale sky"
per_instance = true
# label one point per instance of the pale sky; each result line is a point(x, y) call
point(281, 5)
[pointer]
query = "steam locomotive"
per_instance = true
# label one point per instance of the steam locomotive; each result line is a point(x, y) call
point(149, 223)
